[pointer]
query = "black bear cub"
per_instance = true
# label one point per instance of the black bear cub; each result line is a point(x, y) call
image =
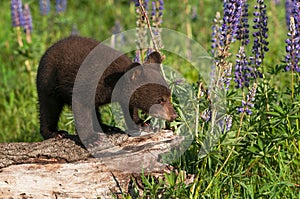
point(56, 75)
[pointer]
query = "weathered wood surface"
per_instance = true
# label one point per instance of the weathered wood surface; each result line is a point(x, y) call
point(87, 179)
point(58, 168)
point(51, 150)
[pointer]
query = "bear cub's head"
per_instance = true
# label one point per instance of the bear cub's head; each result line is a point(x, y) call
point(150, 90)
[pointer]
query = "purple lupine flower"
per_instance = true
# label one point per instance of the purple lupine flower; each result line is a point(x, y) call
point(225, 123)
point(157, 12)
point(139, 10)
point(228, 122)
point(296, 13)
point(226, 77)
point(149, 51)
point(225, 31)
point(243, 27)
point(248, 103)
point(160, 11)
point(243, 70)
point(216, 34)
point(260, 35)
point(231, 17)
point(293, 42)
point(288, 11)
point(137, 58)
point(60, 5)
point(246, 107)
point(137, 3)
point(223, 35)
point(27, 19)
point(17, 13)
point(153, 13)
point(141, 30)
point(44, 7)
point(145, 4)
point(156, 17)
point(161, 7)
point(293, 48)
point(206, 115)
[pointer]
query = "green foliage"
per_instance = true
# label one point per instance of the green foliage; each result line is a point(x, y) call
point(258, 158)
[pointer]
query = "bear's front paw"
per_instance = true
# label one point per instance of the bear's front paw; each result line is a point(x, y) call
point(60, 134)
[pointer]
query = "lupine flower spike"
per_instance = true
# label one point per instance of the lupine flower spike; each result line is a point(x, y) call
point(293, 47)
point(205, 115)
point(288, 11)
point(226, 123)
point(156, 17)
point(293, 43)
point(28, 23)
point(60, 6)
point(225, 32)
point(232, 15)
point(260, 44)
point(17, 13)
point(243, 70)
point(247, 104)
point(141, 24)
point(17, 18)
point(216, 34)
point(137, 56)
point(243, 27)
point(44, 7)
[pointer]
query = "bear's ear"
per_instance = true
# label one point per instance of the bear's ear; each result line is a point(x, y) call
point(154, 57)
point(133, 65)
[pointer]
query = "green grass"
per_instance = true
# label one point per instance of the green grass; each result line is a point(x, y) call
point(258, 158)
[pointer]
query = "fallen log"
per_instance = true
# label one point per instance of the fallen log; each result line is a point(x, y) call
point(60, 168)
